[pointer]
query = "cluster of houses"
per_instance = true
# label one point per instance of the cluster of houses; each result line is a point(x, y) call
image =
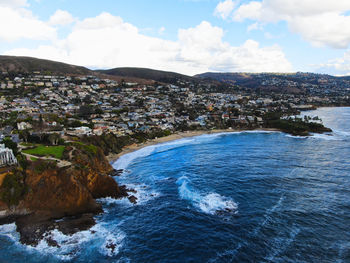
point(106, 106)
point(327, 88)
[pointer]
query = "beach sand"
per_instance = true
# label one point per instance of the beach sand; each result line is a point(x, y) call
point(175, 136)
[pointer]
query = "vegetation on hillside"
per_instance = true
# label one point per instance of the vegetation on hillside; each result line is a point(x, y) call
point(294, 126)
point(13, 188)
point(51, 151)
point(29, 64)
point(111, 143)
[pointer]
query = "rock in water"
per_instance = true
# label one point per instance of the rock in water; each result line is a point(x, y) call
point(35, 227)
point(133, 199)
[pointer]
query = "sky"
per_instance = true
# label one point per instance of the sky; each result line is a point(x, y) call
point(185, 36)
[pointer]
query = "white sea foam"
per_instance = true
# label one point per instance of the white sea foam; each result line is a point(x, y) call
point(327, 137)
point(143, 194)
point(210, 203)
point(124, 161)
point(280, 244)
point(70, 246)
point(267, 216)
point(214, 202)
point(341, 133)
point(336, 135)
point(9, 230)
point(112, 244)
point(260, 131)
point(267, 219)
point(296, 137)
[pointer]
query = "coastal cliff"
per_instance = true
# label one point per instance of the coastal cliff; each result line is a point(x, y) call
point(39, 194)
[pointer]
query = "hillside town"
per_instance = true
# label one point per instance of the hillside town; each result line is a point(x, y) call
point(76, 106)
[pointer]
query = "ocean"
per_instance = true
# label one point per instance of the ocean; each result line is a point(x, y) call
point(230, 197)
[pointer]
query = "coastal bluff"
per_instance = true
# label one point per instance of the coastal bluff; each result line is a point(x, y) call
point(40, 195)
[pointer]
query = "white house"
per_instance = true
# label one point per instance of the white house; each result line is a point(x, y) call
point(6, 156)
point(23, 126)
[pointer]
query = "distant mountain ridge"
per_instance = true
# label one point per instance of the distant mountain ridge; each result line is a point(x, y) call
point(282, 82)
point(16, 64)
point(29, 64)
point(145, 73)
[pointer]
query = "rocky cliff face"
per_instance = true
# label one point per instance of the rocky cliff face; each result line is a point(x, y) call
point(49, 192)
point(59, 192)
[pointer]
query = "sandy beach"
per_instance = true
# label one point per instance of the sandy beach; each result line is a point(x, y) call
point(176, 136)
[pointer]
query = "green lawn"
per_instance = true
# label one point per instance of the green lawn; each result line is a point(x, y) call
point(53, 151)
point(27, 144)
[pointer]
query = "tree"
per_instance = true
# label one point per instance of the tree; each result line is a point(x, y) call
point(11, 145)
point(87, 99)
point(85, 110)
point(140, 103)
point(98, 111)
point(75, 124)
point(54, 138)
point(41, 127)
point(24, 135)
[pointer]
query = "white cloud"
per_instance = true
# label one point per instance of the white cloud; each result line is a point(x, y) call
point(18, 22)
point(307, 7)
point(13, 3)
point(107, 41)
point(21, 24)
point(224, 9)
point(253, 10)
point(322, 23)
point(268, 35)
point(339, 65)
point(255, 26)
point(202, 48)
point(161, 30)
point(329, 29)
point(61, 18)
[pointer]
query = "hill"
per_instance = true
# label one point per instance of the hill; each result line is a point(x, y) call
point(279, 82)
point(29, 64)
point(14, 64)
point(150, 74)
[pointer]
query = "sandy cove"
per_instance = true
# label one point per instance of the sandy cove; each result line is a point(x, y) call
point(113, 157)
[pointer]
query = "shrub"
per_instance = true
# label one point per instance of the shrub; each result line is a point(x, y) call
point(41, 166)
point(13, 188)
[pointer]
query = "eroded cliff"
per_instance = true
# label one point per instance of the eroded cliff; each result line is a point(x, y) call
point(39, 194)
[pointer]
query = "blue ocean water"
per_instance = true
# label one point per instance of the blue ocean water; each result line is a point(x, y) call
point(238, 197)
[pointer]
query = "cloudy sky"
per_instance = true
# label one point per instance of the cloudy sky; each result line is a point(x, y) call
point(186, 36)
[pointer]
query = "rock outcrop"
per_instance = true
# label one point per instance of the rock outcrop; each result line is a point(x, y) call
point(47, 193)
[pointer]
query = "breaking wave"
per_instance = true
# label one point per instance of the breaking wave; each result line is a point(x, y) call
point(296, 137)
point(211, 203)
point(67, 247)
point(143, 194)
point(327, 137)
point(9, 230)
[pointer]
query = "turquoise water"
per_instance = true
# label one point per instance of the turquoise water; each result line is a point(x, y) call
point(238, 197)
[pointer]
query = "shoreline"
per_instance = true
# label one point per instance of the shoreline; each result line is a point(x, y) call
point(113, 157)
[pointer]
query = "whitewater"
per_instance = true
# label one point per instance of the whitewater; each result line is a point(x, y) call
point(227, 197)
